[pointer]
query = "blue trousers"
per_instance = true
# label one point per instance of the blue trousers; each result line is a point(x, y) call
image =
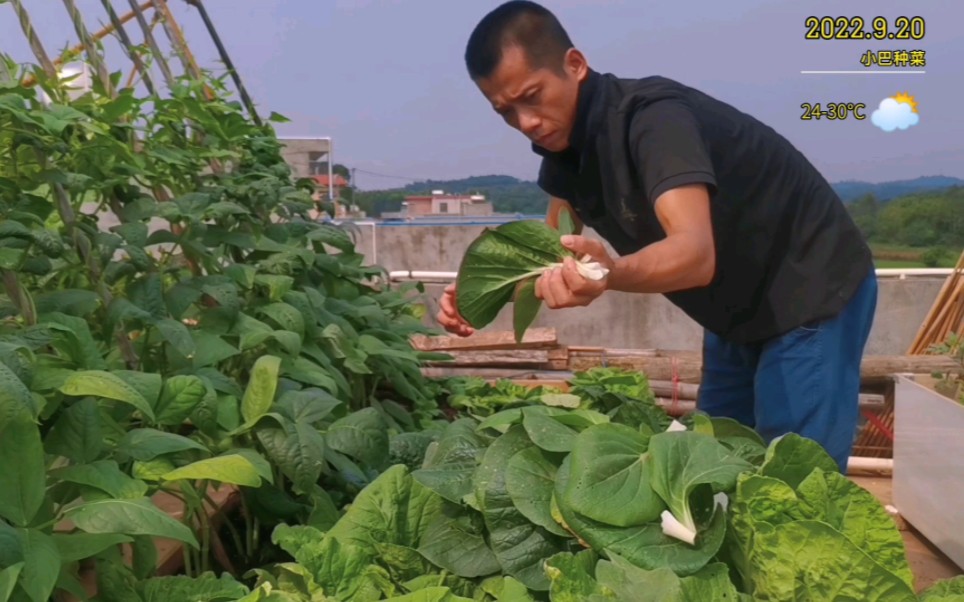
point(806, 381)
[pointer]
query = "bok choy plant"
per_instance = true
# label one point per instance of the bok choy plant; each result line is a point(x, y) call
point(503, 264)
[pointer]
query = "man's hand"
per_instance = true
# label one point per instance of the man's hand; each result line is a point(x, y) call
point(565, 286)
point(448, 314)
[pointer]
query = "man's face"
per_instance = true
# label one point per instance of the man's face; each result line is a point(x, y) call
point(540, 103)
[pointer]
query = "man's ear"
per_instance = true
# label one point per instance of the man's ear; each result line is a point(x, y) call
point(575, 64)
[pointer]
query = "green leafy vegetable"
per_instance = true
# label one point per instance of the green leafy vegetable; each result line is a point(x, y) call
point(507, 259)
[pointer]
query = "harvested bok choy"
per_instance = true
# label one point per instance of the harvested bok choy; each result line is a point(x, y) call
point(502, 265)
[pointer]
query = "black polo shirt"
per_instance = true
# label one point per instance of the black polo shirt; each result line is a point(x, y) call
point(787, 251)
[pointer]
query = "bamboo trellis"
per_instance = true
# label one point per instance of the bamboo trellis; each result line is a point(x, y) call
point(946, 316)
point(161, 14)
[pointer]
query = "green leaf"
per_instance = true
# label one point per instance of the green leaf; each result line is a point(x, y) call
point(525, 307)
point(945, 590)
point(277, 285)
point(791, 458)
point(99, 383)
point(834, 499)
point(77, 433)
point(571, 578)
point(547, 432)
point(15, 397)
point(210, 349)
point(611, 477)
point(259, 395)
point(129, 517)
point(41, 564)
point(361, 435)
point(644, 545)
point(566, 223)
point(231, 468)
point(529, 479)
point(23, 476)
point(454, 541)
point(450, 462)
point(497, 260)
point(520, 546)
point(810, 560)
point(11, 550)
point(79, 546)
point(179, 396)
point(146, 444)
point(105, 475)
point(685, 460)
point(8, 580)
point(298, 449)
point(177, 334)
point(285, 316)
point(712, 582)
point(206, 587)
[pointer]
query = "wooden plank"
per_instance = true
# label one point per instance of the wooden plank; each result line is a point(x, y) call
point(659, 366)
point(534, 338)
point(497, 358)
point(687, 365)
point(480, 372)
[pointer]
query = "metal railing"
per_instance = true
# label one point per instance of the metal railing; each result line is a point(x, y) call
point(899, 273)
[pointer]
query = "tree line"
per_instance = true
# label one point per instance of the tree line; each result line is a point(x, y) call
point(926, 223)
point(927, 220)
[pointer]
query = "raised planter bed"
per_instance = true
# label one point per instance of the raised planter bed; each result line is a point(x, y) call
point(928, 477)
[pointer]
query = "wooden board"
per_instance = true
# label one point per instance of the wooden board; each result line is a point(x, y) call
point(687, 365)
point(534, 338)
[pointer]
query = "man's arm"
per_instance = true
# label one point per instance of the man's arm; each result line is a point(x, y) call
point(685, 259)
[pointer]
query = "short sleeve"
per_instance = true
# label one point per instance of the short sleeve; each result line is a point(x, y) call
point(669, 149)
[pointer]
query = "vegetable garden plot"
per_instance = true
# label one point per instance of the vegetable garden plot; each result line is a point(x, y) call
point(240, 344)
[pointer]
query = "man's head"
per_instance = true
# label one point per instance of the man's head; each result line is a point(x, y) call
point(524, 63)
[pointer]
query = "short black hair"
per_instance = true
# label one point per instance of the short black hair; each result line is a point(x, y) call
point(526, 24)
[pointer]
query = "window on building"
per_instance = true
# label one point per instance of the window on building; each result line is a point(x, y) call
point(317, 163)
point(443, 207)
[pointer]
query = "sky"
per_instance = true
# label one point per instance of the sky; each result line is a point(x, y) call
point(386, 79)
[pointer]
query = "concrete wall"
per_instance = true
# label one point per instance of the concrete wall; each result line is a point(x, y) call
point(622, 320)
point(297, 151)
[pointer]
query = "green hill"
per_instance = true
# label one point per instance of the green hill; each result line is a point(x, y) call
point(512, 195)
point(850, 190)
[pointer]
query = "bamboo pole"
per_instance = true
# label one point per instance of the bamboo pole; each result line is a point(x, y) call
point(64, 206)
point(125, 41)
point(226, 59)
point(75, 51)
point(151, 41)
point(176, 37)
point(88, 43)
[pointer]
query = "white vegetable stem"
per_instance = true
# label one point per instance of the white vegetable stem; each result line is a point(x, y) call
point(588, 269)
point(687, 531)
point(674, 528)
point(591, 270)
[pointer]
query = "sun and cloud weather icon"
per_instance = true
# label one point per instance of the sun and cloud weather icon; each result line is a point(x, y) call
point(897, 112)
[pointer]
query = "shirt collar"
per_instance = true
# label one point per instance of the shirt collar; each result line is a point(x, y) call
point(582, 128)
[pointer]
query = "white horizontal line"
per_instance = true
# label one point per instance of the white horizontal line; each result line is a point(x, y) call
point(893, 72)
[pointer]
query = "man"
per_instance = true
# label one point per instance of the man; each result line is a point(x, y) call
point(703, 204)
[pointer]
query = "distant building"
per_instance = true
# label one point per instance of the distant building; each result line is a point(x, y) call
point(307, 156)
point(311, 158)
point(322, 182)
point(440, 204)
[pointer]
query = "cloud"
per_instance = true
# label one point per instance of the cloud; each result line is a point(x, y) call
point(891, 115)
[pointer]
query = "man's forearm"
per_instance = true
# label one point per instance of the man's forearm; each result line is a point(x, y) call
point(675, 263)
